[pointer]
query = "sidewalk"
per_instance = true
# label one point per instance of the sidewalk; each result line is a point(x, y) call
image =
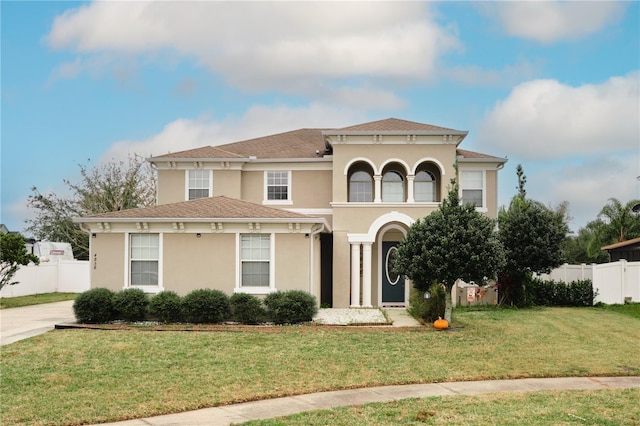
point(266, 409)
point(28, 321)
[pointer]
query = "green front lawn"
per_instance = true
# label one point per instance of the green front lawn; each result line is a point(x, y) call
point(35, 299)
point(90, 376)
point(613, 407)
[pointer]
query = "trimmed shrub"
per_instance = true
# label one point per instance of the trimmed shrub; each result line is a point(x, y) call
point(429, 309)
point(206, 306)
point(94, 306)
point(291, 307)
point(166, 306)
point(247, 308)
point(130, 304)
point(558, 293)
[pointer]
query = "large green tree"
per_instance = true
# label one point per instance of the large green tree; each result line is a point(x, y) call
point(615, 223)
point(454, 242)
point(533, 237)
point(13, 254)
point(108, 187)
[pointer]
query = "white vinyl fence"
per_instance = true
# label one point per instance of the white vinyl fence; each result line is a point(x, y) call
point(64, 276)
point(616, 282)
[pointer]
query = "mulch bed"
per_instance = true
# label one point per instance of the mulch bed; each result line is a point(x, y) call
point(302, 328)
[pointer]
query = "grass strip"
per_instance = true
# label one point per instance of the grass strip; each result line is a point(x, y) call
point(70, 377)
point(611, 407)
point(35, 299)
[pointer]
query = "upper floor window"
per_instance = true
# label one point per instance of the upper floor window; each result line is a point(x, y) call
point(199, 184)
point(360, 187)
point(472, 186)
point(145, 259)
point(392, 187)
point(278, 186)
point(425, 187)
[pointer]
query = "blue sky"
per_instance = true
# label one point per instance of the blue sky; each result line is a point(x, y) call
point(553, 86)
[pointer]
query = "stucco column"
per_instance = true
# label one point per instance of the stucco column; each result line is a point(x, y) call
point(355, 275)
point(366, 275)
point(377, 188)
point(410, 198)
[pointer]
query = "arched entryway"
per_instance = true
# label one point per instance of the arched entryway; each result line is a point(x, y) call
point(371, 257)
point(392, 287)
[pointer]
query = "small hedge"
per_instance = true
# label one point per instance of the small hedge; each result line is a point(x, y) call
point(558, 293)
point(94, 306)
point(166, 307)
point(206, 306)
point(203, 306)
point(291, 307)
point(131, 304)
point(247, 309)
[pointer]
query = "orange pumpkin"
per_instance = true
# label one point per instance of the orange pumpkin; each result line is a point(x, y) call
point(440, 324)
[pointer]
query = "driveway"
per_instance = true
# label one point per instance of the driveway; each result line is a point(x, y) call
point(22, 323)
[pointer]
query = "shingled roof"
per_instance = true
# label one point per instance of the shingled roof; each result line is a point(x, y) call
point(302, 143)
point(394, 125)
point(471, 155)
point(213, 208)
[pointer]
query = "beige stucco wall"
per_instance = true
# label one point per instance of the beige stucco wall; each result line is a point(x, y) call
point(311, 189)
point(192, 263)
point(341, 270)
point(492, 193)
point(292, 263)
point(107, 261)
point(227, 183)
point(171, 184)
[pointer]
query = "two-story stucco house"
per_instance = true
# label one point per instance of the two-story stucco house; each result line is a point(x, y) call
point(319, 210)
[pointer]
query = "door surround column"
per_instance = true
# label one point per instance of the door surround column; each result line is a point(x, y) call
point(366, 275)
point(355, 275)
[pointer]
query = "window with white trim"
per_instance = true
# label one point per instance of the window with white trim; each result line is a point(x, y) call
point(145, 259)
point(472, 186)
point(278, 186)
point(199, 184)
point(255, 258)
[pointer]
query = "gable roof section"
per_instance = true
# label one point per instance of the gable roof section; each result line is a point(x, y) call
point(213, 208)
point(395, 125)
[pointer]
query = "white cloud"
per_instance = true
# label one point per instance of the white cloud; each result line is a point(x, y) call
point(586, 184)
point(507, 76)
point(544, 119)
point(265, 45)
point(550, 21)
point(183, 133)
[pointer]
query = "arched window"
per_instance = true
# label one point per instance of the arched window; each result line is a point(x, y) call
point(360, 187)
point(392, 187)
point(424, 187)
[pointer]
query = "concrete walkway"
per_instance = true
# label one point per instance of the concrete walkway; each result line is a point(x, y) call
point(28, 321)
point(270, 408)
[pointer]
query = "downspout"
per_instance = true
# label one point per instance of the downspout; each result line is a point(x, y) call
point(311, 257)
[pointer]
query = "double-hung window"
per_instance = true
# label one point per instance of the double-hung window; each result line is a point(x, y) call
point(255, 259)
point(198, 184)
point(145, 259)
point(472, 185)
point(360, 187)
point(278, 187)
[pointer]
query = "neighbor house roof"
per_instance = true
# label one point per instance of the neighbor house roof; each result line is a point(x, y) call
point(621, 244)
point(213, 208)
